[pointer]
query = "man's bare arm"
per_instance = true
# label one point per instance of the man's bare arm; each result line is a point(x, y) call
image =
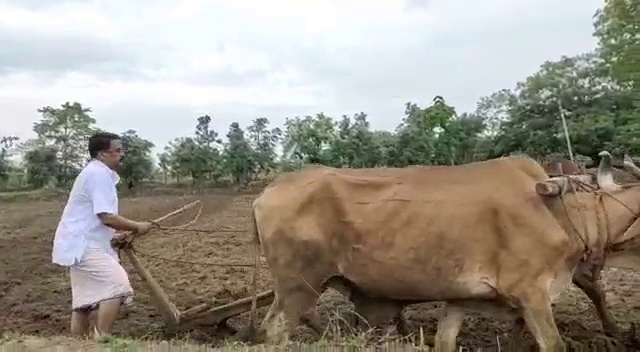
point(119, 223)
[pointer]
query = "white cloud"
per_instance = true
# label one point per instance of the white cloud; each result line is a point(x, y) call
point(156, 65)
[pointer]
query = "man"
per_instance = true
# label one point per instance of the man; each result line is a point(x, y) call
point(82, 242)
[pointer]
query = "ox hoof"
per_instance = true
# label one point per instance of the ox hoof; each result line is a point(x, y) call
point(247, 334)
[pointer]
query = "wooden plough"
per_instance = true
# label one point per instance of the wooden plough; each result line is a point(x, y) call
point(205, 314)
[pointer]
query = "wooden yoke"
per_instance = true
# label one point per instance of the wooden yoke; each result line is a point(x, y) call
point(557, 186)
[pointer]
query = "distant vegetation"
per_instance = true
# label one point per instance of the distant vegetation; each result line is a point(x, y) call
point(598, 92)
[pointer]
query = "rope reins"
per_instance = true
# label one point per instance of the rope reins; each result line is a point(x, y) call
point(145, 254)
point(183, 228)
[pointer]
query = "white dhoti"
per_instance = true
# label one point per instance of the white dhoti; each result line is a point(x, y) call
point(98, 277)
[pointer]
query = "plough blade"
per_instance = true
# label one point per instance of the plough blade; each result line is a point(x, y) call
point(217, 315)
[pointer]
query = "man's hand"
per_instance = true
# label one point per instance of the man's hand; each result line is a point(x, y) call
point(120, 239)
point(144, 226)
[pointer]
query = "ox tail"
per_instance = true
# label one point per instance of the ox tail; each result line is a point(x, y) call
point(254, 277)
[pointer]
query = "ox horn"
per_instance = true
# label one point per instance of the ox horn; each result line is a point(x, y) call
point(630, 166)
point(604, 175)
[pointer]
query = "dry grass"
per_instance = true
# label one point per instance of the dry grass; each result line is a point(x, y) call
point(63, 343)
point(338, 336)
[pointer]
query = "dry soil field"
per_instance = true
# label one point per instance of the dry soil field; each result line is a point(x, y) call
point(35, 295)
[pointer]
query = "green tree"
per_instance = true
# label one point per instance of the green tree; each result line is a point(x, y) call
point(239, 157)
point(183, 159)
point(385, 143)
point(354, 143)
point(417, 133)
point(207, 149)
point(164, 163)
point(197, 157)
point(617, 27)
point(67, 129)
point(577, 88)
point(41, 163)
point(7, 144)
point(264, 142)
point(309, 139)
point(137, 164)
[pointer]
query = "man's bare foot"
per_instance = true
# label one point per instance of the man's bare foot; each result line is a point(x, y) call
point(101, 338)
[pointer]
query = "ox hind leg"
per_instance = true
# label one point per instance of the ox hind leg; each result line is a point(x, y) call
point(449, 324)
point(376, 311)
point(294, 303)
point(369, 311)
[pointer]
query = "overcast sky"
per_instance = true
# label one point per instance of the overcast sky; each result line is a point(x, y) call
point(156, 65)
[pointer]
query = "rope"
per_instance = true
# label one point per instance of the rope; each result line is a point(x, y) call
point(183, 228)
point(582, 186)
point(144, 254)
point(180, 227)
point(205, 230)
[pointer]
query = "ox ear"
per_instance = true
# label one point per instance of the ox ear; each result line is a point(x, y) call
point(631, 167)
point(604, 175)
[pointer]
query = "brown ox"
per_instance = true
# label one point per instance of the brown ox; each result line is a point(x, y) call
point(586, 277)
point(375, 310)
point(394, 237)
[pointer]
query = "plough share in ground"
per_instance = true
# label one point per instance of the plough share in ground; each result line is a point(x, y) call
point(205, 314)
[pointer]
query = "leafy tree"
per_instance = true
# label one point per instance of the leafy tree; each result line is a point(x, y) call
point(264, 142)
point(42, 165)
point(239, 157)
point(417, 132)
point(197, 157)
point(183, 159)
point(385, 143)
point(594, 108)
point(353, 144)
point(164, 164)
point(207, 151)
point(308, 139)
point(137, 164)
point(7, 144)
point(617, 27)
point(494, 110)
point(67, 129)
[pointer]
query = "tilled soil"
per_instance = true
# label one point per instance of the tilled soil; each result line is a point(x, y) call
point(35, 295)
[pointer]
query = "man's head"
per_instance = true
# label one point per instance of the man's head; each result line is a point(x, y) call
point(106, 147)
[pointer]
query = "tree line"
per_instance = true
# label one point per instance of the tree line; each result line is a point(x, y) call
point(598, 93)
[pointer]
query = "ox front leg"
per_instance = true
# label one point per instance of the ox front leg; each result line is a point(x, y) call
point(588, 280)
point(538, 315)
point(449, 323)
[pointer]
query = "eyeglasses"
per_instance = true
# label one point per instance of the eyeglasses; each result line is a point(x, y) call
point(120, 151)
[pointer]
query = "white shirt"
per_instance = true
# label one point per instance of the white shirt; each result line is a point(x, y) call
point(93, 192)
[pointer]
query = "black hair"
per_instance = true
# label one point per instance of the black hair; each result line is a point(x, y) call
point(101, 141)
